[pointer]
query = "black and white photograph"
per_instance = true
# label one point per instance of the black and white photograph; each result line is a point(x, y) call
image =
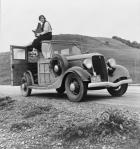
point(70, 74)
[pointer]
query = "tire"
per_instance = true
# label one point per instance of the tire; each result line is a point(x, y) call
point(118, 91)
point(74, 81)
point(58, 65)
point(25, 82)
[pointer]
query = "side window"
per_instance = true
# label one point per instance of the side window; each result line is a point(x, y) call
point(19, 53)
point(65, 52)
point(75, 50)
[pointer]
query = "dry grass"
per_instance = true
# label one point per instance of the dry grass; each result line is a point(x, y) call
point(114, 121)
point(6, 103)
point(37, 110)
point(19, 127)
point(112, 127)
point(30, 125)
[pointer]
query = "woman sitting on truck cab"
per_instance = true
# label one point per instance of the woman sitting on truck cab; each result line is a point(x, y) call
point(42, 32)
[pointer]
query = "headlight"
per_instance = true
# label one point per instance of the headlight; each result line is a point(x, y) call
point(111, 62)
point(87, 63)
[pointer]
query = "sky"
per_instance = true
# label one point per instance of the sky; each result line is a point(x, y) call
point(96, 18)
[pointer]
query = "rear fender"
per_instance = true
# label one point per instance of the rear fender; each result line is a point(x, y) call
point(119, 72)
point(29, 72)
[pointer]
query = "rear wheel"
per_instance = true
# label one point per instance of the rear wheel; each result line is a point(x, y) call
point(25, 82)
point(76, 89)
point(118, 91)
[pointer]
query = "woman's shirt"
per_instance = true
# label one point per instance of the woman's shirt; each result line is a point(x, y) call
point(47, 27)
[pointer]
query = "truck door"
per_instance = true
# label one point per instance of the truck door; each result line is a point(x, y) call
point(18, 64)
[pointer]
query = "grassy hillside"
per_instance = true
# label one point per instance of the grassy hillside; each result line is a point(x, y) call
point(124, 55)
point(5, 68)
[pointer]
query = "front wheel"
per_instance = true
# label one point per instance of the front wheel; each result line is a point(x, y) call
point(25, 82)
point(75, 87)
point(118, 91)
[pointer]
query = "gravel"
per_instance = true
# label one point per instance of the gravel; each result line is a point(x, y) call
point(38, 122)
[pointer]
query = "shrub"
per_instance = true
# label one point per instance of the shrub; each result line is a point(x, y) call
point(110, 122)
point(6, 102)
point(133, 44)
point(18, 127)
point(116, 121)
point(37, 110)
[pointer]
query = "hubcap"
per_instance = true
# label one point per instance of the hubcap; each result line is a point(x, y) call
point(56, 68)
point(24, 87)
point(72, 87)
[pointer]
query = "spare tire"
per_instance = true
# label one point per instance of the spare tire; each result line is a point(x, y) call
point(58, 65)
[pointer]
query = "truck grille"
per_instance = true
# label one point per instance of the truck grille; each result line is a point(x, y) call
point(99, 66)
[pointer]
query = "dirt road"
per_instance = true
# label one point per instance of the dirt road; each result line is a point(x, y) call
point(33, 122)
point(131, 98)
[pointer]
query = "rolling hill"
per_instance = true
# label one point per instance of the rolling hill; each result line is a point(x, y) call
point(5, 68)
point(124, 55)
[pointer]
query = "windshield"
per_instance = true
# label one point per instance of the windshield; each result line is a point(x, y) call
point(67, 48)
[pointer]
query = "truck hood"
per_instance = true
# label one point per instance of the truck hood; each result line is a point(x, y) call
point(82, 56)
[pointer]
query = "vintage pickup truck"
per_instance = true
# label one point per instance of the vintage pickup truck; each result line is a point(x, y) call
point(67, 69)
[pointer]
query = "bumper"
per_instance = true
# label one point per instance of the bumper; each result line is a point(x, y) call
point(108, 84)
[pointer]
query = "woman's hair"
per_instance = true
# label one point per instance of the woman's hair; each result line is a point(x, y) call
point(41, 17)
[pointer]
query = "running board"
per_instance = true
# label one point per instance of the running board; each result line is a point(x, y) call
point(39, 87)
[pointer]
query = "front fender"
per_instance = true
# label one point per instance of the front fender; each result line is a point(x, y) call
point(84, 75)
point(120, 71)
